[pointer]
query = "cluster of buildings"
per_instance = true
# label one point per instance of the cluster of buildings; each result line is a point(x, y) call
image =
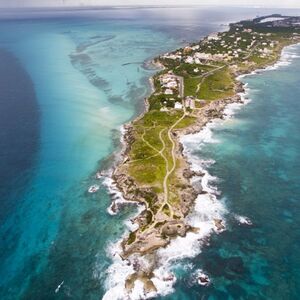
point(177, 55)
point(200, 57)
point(169, 83)
point(170, 86)
point(238, 43)
point(223, 50)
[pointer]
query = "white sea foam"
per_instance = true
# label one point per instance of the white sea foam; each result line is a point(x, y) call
point(243, 220)
point(115, 193)
point(117, 197)
point(116, 275)
point(201, 278)
point(232, 108)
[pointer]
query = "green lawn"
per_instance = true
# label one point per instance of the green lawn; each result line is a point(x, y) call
point(190, 85)
point(217, 86)
point(146, 167)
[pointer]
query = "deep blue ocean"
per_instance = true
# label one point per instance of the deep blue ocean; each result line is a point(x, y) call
point(68, 81)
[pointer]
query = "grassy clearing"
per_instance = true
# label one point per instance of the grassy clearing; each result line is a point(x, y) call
point(147, 166)
point(217, 86)
point(149, 172)
point(190, 85)
point(187, 121)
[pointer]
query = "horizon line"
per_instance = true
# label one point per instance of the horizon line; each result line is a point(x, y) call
point(144, 6)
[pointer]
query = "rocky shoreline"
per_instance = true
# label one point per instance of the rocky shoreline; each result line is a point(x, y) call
point(133, 193)
point(135, 245)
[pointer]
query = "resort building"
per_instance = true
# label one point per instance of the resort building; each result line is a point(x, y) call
point(168, 92)
point(178, 105)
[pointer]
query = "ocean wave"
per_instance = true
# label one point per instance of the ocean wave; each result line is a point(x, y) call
point(116, 274)
point(242, 220)
point(115, 194)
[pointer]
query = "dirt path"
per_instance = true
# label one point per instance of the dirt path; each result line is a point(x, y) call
point(169, 172)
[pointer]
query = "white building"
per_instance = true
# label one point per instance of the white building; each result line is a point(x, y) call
point(195, 47)
point(172, 56)
point(189, 60)
point(178, 105)
point(219, 56)
point(267, 51)
point(197, 61)
point(213, 36)
point(171, 85)
point(164, 109)
point(168, 92)
point(201, 55)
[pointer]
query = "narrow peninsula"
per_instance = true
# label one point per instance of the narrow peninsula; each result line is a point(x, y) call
point(193, 86)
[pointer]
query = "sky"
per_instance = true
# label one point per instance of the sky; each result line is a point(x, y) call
point(261, 3)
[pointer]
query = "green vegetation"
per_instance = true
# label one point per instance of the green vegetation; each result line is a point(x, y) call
point(190, 86)
point(166, 210)
point(217, 86)
point(147, 165)
point(131, 238)
point(186, 122)
point(157, 101)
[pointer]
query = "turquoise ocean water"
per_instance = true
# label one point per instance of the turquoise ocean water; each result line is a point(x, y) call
point(82, 74)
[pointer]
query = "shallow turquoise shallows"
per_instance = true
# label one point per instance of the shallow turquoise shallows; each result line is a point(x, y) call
point(83, 75)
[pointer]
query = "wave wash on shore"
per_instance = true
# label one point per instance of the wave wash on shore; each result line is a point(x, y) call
point(126, 276)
